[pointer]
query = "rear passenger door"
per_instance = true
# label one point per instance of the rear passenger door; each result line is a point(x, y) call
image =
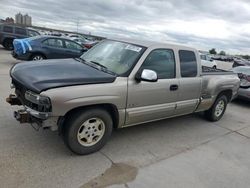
point(189, 83)
point(149, 101)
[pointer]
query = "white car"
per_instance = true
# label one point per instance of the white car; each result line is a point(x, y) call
point(207, 61)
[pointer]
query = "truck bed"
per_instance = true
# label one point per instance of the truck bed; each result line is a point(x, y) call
point(213, 71)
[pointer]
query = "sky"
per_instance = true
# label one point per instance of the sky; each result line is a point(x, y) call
point(203, 24)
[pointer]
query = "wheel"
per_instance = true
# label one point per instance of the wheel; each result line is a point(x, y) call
point(87, 131)
point(214, 67)
point(37, 57)
point(8, 44)
point(216, 112)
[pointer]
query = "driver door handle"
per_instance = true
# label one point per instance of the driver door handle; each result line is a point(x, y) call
point(173, 87)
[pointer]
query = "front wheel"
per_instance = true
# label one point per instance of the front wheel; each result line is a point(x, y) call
point(87, 131)
point(218, 109)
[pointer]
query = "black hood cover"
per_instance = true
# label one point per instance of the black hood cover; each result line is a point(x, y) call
point(39, 76)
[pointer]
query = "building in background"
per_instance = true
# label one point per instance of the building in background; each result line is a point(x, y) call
point(23, 19)
point(27, 20)
point(7, 20)
point(19, 18)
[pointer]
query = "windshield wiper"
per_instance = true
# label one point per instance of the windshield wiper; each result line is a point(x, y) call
point(96, 65)
point(103, 68)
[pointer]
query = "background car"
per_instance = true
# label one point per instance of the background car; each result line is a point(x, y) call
point(46, 47)
point(9, 32)
point(244, 75)
point(84, 42)
point(207, 61)
point(240, 62)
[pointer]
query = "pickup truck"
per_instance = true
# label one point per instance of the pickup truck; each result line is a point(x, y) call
point(116, 84)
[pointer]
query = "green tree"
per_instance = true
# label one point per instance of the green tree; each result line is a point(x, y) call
point(222, 53)
point(213, 51)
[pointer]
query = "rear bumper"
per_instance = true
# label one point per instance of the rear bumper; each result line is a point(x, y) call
point(25, 56)
point(244, 93)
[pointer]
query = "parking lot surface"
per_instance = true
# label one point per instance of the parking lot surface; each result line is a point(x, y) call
point(185, 152)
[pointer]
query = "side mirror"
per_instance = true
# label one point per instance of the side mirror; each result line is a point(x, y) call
point(146, 75)
point(84, 50)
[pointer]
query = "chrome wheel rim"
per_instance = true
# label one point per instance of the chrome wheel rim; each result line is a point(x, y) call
point(91, 132)
point(37, 58)
point(219, 108)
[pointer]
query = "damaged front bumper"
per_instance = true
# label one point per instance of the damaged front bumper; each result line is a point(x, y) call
point(28, 115)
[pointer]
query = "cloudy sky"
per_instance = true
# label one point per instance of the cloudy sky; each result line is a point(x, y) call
point(223, 24)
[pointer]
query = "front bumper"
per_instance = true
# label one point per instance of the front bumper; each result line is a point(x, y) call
point(25, 115)
point(28, 115)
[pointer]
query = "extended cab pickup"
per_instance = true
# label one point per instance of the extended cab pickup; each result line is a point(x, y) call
point(118, 83)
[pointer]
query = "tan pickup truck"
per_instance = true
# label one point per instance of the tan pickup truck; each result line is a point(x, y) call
point(117, 83)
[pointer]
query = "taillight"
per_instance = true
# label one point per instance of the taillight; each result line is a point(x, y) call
point(88, 46)
point(240, 75)
point(245, 81)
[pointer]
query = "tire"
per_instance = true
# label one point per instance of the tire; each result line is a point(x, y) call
point(87, 131)
point(37, 57)
point(214, 67)
point(218, 109)
point(8, 44)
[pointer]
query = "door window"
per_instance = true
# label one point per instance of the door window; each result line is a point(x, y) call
point(72, 45)
point(20, 31)
point(8, 29)
point(161, 61)
point(188, 63)
point(58, 43)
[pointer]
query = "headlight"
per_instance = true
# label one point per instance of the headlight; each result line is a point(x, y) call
point(37, 99)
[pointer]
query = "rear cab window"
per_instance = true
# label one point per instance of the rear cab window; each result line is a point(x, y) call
point(188, 63)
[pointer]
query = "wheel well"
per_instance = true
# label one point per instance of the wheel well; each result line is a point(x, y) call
point(228, 93)
point(8, 39)
point(37, 53)
point(111, 109)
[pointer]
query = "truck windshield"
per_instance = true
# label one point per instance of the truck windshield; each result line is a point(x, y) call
point(118, 57)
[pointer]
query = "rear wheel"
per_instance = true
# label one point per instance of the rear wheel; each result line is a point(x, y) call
point(8, 44)
point(216, 112)
point(87, 131)
point(37, 57)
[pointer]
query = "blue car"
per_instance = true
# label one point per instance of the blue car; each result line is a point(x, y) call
point(46, 47)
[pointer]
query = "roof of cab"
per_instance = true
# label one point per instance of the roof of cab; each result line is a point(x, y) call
point(147, 44)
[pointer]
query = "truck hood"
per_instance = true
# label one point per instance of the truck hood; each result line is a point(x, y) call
point(42, 75)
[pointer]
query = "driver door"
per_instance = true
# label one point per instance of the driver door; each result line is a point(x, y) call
point(148, 101)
